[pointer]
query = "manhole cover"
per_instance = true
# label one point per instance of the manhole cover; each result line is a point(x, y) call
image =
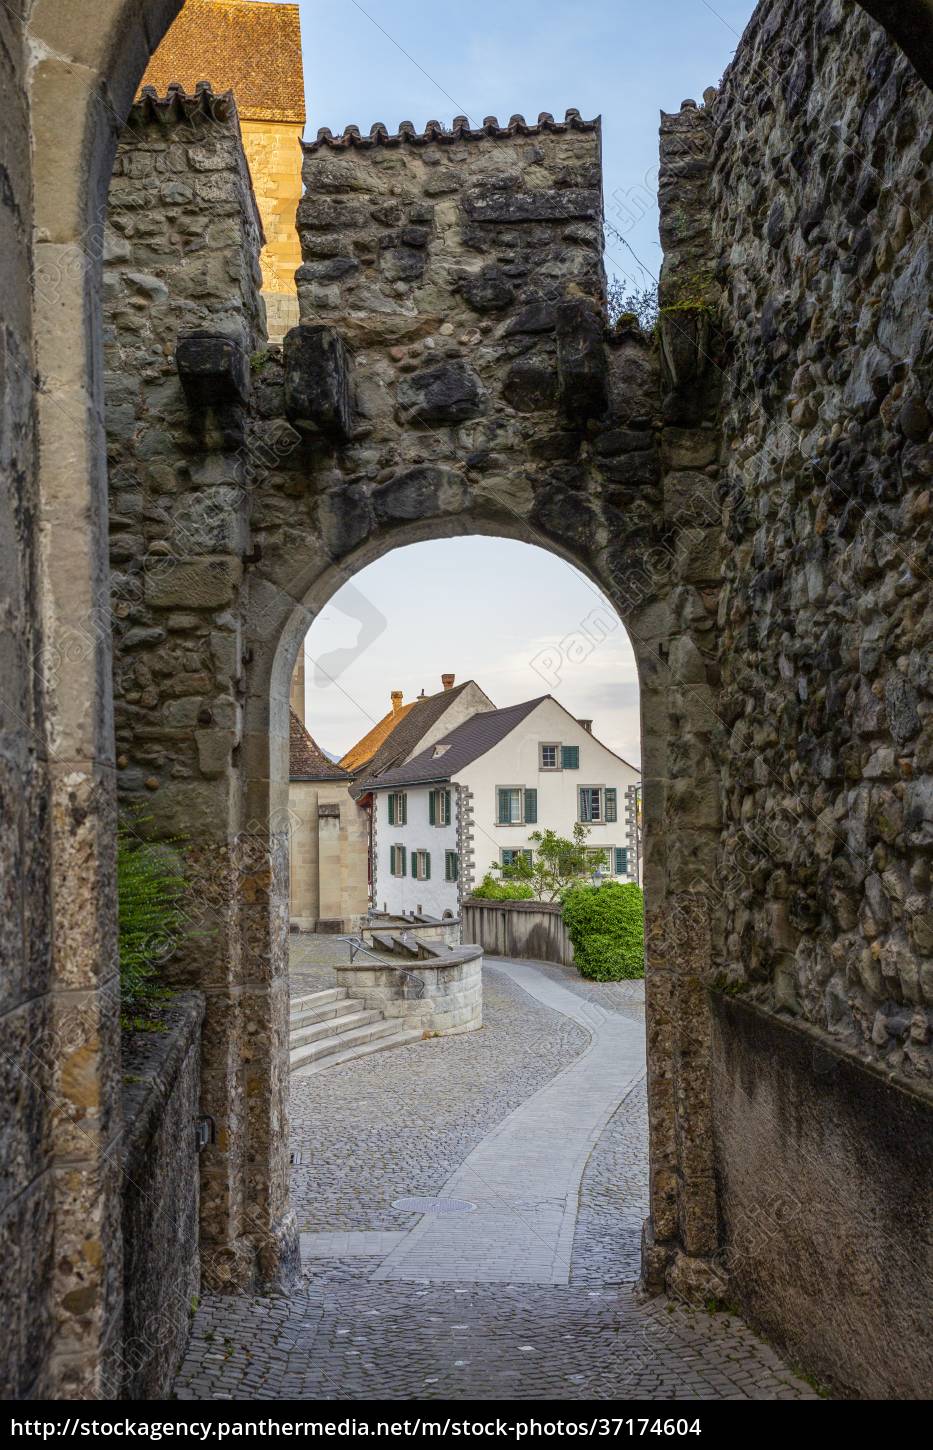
point(433, 1205)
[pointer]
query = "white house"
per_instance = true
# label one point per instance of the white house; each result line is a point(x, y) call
point(476, 794)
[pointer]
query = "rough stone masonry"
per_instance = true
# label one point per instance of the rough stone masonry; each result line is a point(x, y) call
point(748, 488)
point(781, 634)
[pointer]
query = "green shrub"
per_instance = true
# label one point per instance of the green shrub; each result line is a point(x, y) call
point(150, 914)
point(606, 927)
point(491, 890)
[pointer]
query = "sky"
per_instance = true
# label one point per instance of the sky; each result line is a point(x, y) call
point(496, 610)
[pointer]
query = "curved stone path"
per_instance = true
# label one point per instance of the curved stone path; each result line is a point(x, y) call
point(525, 1176)
point(539, 1119)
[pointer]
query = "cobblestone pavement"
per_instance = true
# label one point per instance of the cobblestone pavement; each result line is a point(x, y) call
point(400, 1123)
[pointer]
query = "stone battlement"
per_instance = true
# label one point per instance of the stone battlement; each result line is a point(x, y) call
point(460, 130)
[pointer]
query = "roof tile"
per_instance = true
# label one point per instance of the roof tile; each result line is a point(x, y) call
point(251, 48)
point(306, 759)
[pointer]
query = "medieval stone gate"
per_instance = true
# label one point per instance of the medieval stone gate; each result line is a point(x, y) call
point(787, 738)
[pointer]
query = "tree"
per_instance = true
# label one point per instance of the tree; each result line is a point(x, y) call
point(557, 862)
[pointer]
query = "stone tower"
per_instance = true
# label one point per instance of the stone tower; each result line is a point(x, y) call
point(253, 49)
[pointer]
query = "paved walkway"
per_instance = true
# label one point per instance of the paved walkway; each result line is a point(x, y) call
point(540, 1120)
point(524, 1177)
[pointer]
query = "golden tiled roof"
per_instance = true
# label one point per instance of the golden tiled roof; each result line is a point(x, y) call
point(364, 750)
point(251, 48)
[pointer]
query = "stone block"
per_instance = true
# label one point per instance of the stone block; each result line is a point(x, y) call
point(582, 360)
point(489, 205)
point(445, 393)
point(318, 391)
point(203, 582)
point(213, 368)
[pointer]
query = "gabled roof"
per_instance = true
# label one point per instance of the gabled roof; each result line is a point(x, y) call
point(250, 48)
point(364, 750)
point(419, 717)
point(306, 759)
point(454, 751)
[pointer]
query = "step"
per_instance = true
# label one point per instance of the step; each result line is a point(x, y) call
point(324, 1046)
point(311, 1001)
point(400, 1038)
point(300, 1037)
point(330, 1012)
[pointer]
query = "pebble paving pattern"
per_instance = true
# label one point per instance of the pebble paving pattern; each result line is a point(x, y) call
point(398, 1124)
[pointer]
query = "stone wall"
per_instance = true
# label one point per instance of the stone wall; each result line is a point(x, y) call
point(184, 325)
point(443, 997)
point(533, 929)
point(161, 1089)
point(328, 857)
point(26, 1174)
point(819, 205)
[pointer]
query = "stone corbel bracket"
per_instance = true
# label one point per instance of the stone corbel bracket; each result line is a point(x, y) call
point(318, 381)
point(213, 368)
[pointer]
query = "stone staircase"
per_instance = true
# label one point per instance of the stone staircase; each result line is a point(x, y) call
point(329, 1027)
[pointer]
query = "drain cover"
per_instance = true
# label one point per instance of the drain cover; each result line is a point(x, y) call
point(434, 1205)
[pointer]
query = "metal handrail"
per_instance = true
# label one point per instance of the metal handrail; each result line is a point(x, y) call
point(357, 945)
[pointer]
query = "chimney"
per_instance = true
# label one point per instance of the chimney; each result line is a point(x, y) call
point(587, 726)
point(448, 681)
point(396, 701)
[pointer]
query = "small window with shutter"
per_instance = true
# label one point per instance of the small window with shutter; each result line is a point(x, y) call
point(621, 861)
point(612, 809)
point(451, 866)
point(570, 757)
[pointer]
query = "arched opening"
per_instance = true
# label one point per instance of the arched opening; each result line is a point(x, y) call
point(83, 73)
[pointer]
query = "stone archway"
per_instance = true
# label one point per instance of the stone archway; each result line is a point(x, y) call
point(81, 72)
point(484, 398)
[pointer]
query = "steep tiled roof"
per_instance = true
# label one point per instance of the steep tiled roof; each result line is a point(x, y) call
point(418, 720)
point(465, 744)
point(363, 751)
point(460, 130)
point(251, 48)
point(307, 760)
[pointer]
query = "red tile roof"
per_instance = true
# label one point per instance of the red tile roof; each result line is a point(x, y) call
point(251, 48)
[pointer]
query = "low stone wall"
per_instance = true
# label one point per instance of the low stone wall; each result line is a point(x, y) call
point(825, 1182)
point(443, 997)
point(161, 1088)
point(532, 929)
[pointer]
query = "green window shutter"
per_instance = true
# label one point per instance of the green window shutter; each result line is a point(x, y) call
point(446, 807)
point(529, 857)
point(451, 866)
point(427, 865)
point(531, 806)
point(570, 757)
point(391, 860)
point(507, 857)
point(404, 865)
point(584, 804)
point(611, 807)
point(391, 806)
point(432, 808)
point(504, 816)
point(403, 809)
point(621, 861)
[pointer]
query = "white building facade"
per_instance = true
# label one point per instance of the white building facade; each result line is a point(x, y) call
point(476, 796)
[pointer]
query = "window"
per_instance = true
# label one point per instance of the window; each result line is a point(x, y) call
point(612, 810)
point(398, 808)
point(591, 803)
point(516, 805)
point(621, 861)
point(451, 866)
point(550, 757)
point(510, 858)
point(421, 865)
point(439, 807)
point(570, 757)
point(397, 860)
